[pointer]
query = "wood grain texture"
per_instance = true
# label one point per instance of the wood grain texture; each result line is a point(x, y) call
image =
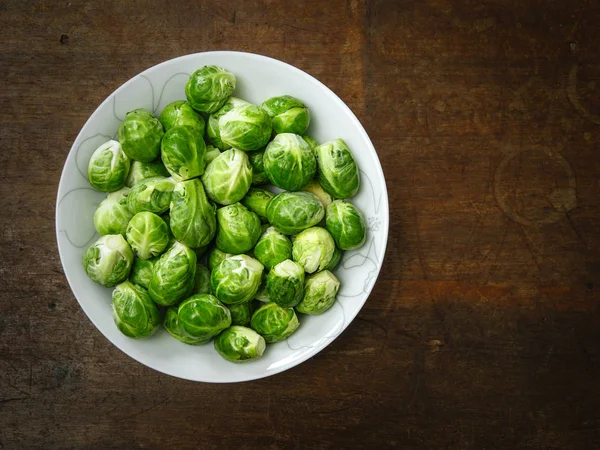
point(483, 330)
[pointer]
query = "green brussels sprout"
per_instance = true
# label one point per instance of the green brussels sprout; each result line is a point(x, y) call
point(175, 328)
point(193, 219)
point(313, 249)
point(134, 312)
point(338, 172)
point(292, 212)
point(202, 280)
point(141, 170)
point(239, 229)
point(256, 200)
point(236, 279)
point(140, 135)
point(289, 162)
point(335, 259)
point(346, 224)
point(285, 283)
point(320, 290)
point(311, 141)
point(141, 272)
point(288, 114)
point(213, 132)
point(147, 234)
point(203, 316)
point(239, 344)
point(258, 167)
point(113, 215)
point(108, 261)
point(263, 295)
point(241, 313)
point(173, 275)
point(246, 127)
point(209, 88)
point(274, 323)
point(108, 167)
point(315, 188)
point(272, 248)
point(180, 113)
point(182, 151)
point(215, 257)
point(151, 194)
point(228, 177)
point(211, 154)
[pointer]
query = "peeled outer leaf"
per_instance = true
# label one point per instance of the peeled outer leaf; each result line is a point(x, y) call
point(289, 162)
point(338, 172)
point(182, 152)
point(239, 344)
point(209, 88)
point(274, 323)
point(346, 224)
point(108, 167)
point(140, 135)
point(173, 275)
point(180, 113)
point(228, 177)
point(193, 218)
point(203, 316)
point(292, 212)
point(134, 312)
point(246, 127)
point(285, 283)
point(236, 279)
point(239, 229)
point(151, 194)
point(320, 290)
point(113, 215)
point(147, 234)
point(108, 261)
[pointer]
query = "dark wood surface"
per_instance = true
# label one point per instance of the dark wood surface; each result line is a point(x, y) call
point(483, 330)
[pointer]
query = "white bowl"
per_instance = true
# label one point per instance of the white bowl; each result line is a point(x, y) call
point(258, 78)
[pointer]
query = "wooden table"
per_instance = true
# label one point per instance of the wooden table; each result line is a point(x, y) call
point(483, 330)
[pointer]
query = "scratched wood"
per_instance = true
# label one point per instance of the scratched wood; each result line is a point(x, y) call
point(483, 330)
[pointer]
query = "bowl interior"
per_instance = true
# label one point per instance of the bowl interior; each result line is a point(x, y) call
point(258, 78)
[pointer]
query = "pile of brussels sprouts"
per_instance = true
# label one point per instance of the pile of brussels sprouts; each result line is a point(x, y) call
point(189, 185)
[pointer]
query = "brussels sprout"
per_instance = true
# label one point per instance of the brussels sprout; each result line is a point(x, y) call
point(239, 229)
point(288, 114)
point(215, 257)
point(108, 260)
point(335, 259)
point(151, 194)
point(272, 248)
point(141, 272)
point(285, 283)
point(228, 177)
point(274, 323)
point(180, 113)
point(202, 317)
point(113, 215)
point(289, 162)
point(246, 127)
point(202, 280)
point(313, 249)
point(211, 154)
point(209, 88)
point(258, 167)
point(140, 135)
point(147, 234)
point(315, 188)
point(263, 295)
point(134, 312)
point(320, 290)
point(256, 200)
point(292, 212)
point(108, 167)
point(141, 170)
point(182, 151)
point(346, 224)
point(236, 279)
point(173, 275)
point(239, 344)
point(338, 172)
point(193, 220)
point(213, 132)
point(175, 328)
point(311, 141)
point(241, 313)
